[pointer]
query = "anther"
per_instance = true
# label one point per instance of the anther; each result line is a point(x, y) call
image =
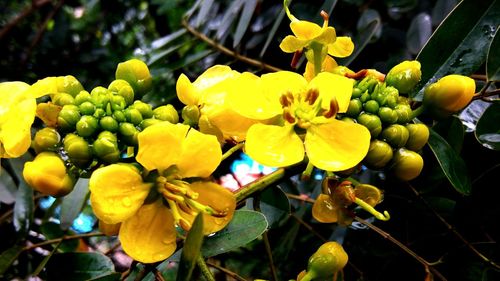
point(186, 209)
point(284, 101)
point(311, 96)
point(288, 116)
point(184, 224)
point(324, 15)
point(334, 108)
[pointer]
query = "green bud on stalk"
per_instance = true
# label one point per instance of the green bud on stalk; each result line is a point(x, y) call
point(379, 154)
point(69, 84)
point(68, 117)
point(166, 113)
point(404, 76)
point(419, 135)
point(355, 108)
point(87, 126)
point(45, 139)
point(105, 147)
point(371, 122)
point(108, 123)
point(145, 109)
point(78, 150)
point(87, 108)
point(133, 115)
point(136, 73)
point(82, 97)
point(62, 99)
point(388, 115)
point(129, 133)
point(404, 113)
point(148, 122)
point(371, 106)
point(122, 88)
point(396, 135)
point(406, 164)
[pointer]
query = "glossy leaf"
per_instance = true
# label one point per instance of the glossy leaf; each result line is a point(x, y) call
point(452, 165)
point(78, 266)
point(441, 10)
point(488, 128)
point(274, 205)
point(166, 40)
point(114, 276)
point(471, 114)
point(191, 250)
point(493, 60)
point(190, 59)
point(23, 209)
point(452, 130)
point(244, 22)
point(245, 227)
point(73, 203)
point(460, 43)
point(8, 256)
point(8, 187)
point(52, 230)
point(205, 8)
point(418, 33)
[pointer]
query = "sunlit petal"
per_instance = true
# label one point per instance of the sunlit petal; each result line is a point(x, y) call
point(327, 36)
point(116, 192)
point(292, 44)
point(282, 82)
point(332, 86)
point(342, 47)
point(186, 92)
point(337, 145)
point(200, 154)
point(329, 65)
point(45, 86)
point(324, 210)
point(305, 30)
point(274, 146)
point(149, 236)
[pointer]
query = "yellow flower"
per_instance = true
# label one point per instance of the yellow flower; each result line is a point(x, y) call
point(208, 92)
point(17, 113)
point(179, 157)
point(309, 126)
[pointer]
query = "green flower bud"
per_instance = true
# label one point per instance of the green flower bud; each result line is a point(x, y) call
point(404, 76)
point(371, 106)
point(105, 147)
point(368, 83)
point(62, 99)
point(87, 108)
point(379, 154)
point(329, 259)
point(371, 122)
point(99, 113)
point(348, 119)
point(190, 114)
point(68, 117)
point(128, 133)
point(122, 88)
point(108, 123)
point(392, 96)
point(133, 116)
point(365, 97)
point(355, 108)
point(145, 109)
point(69, 84)
point(406, 164)
point(419, 135)
point(82, 97)
point(100, 97)
point(166, 113)
point(136, 73)
point(87, 126)
point(379, 95)
point(404, 113)
point(388, 115)
point(148, 122)
point(396, 135)
point(448, 95)
point(119, 116)
point(78, 150)
point(356, 93)
point(117, 102)
point(45, 139)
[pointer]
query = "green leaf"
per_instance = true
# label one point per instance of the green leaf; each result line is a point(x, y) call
point(271, 34)
point(78, 266)
point(166, 40)
point(488, 128)
point(114, 276)
point(52, 230)
point(274, 205)
point(8, 256)
point(23, 209)
point(460, 43)
point(244, 22)
point(244, 227)
point(7, 187)
point(191, 249)
point(452, 130)
point(73, 203)
point(493, 60)
point(361, 39)
point(452, 165)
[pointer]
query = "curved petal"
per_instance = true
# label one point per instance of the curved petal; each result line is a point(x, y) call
point(291, 44)
point(186, 92)
point(305, 30)
point(337, 145)
point(159, 145)
point(282, 82)
point(274, 146)
point(342, 47)
point(149, 236)
point(220, 199)
point(324, 210)
point(332, 86)
point(213, 76)
point(200, 155)
point(232, 125)
point(329, 65)
point(327, 36)
point(117, 192)
point(45, 86)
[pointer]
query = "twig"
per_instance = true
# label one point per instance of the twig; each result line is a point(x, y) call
point(232, 150)
point(300, 198)
point(226, 271)
point(453, 230)
point(64, 238)
point(227, 51)
point(204, 269)
point(24, 13)
point(310, 228)
point(267, 244)
point(259, 184)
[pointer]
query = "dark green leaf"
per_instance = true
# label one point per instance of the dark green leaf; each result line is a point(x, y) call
point(244, 227)
point(73, 203)
point(7, 187)
point(452, 130)
point(23, 209)
point(274, 205)
point(158, 55)
point(419, 32)
point(488, 128)
point(493, 60)
point(272, 32)
point(191, 249)
point(78, 266)
point(441, 10)
point(52, 230)
point(452, 165)
point(8, 257)
point(246, 16)
point(460, 43)
point(361, 40)
point(164, 41)
point(187, 60)
point(114, 276)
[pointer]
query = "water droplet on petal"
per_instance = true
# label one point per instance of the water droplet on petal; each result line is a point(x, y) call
point(127, 202)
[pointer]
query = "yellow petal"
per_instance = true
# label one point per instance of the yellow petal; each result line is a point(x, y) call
point(292, 44)
point(45, 86)
point(248, 98)
point(47, 174)
point(329, 64)
point(117, 192)
point(220, 199)
point(305, 30)
point(282, 82)
point(337, 145)
point(332, 86)
point(149, 236)
point(324, 210)
point(200, 155)
point(159, 145)
point(274, 146)
point(342, 47)
point(186, 92)
point(327, 36)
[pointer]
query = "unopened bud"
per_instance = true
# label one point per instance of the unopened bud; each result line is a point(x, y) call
point(388, 115)
point(404, 113)
point(62, 99)
point(406, 164)
point(78, 150)
point(45, 139)
point(379, 154)
point(396, 135)
point(87, 126)
point(133, 116)
point(404, 76)
point(355, 108)
point(69, 84)
point(87, 108)
point(419, 135)
point(449, 94)
point(82, 97)
point(145, 109)
point(122, 88)
point(148, 122)
point(371, 106)
point(329, 259)
point(99, 97)
point(105, 147)
point(128, 133)
point(68, 117)
point(108, 123)
point(136, 73)
point(371, 122)
point(166, 113)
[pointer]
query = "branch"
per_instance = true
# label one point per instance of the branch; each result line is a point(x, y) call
point(24, 13)
point(64, 238)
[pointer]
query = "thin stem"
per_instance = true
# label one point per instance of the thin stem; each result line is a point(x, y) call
point(310, 228)
point(259, 184)
point(205, 271)
point(367, 207)
point(486, 94)
point(303, 198)
point(227, 51)
point(232, 150)
point(226, 271)
point(306, 174)
point(416, 112)
point(64, 238)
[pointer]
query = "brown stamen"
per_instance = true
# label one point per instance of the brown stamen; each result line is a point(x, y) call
point(184, 224)
point(295, 59)
point(334, 108)
point(311, 96)
point(288, 116)
point(324, 15)
point(284, 101)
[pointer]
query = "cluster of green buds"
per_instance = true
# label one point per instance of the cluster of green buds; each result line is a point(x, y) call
point(383, 107)
point(100, 126)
